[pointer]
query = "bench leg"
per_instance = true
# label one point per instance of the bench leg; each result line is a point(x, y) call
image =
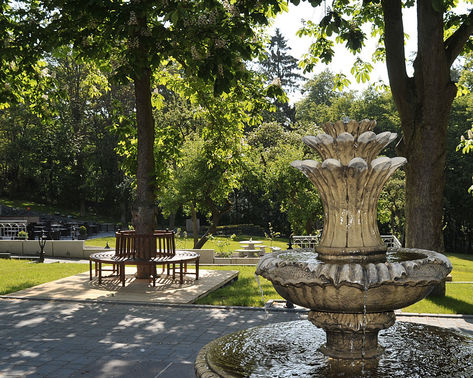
point(122, 274)
point(90, 270)
point(197, 269)
point(181, 273)
point(155, 273)
point(100, 272)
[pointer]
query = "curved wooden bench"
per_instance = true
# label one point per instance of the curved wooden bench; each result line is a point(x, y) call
point(180, 259)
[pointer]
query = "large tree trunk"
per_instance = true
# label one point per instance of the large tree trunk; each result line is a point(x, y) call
point(145, 179)
point(425, 182)
point(423, 103)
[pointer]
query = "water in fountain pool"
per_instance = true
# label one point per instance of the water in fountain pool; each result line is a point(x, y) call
point(292, 350)
point(311, 258)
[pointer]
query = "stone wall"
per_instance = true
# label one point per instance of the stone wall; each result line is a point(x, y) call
point(53, 248)
point(206, 255)
point(76, 249)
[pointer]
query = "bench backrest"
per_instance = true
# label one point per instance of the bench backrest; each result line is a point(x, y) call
point(129, 244)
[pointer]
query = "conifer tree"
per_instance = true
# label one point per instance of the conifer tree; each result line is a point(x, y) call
point(281, 67)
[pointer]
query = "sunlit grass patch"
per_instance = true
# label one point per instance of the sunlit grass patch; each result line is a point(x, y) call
point(17, 275)
point(243, 292)
point(458, 300)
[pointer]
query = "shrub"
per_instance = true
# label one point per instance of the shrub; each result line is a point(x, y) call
point(22, 235)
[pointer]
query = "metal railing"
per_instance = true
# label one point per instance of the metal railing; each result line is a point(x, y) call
point(310, 241)
point(391, 241)
point(10, 229)
point(306, 241)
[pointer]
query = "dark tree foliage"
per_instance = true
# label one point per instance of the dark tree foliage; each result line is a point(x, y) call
point(58, 146)
point(458, 202)
point(279, 64)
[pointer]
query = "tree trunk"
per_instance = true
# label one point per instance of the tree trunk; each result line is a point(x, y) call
point(195, 233)
point(200, 243)
point(423, 102)
point(217, 215)
point(309, 226)
point(172, 221)
point(82, 206)
point(145, 175)
point(425, 181)
point(123, 213)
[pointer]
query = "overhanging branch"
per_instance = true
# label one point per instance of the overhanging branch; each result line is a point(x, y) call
point(394, 43)
point(454, 44)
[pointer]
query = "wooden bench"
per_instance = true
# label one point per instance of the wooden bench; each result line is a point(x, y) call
point(156, 249)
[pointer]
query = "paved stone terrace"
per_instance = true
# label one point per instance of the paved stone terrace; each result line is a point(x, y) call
point(61, 339)
point(41, 338)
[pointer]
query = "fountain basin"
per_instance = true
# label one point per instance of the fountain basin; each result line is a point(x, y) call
point(292, 349)
point(405, 277)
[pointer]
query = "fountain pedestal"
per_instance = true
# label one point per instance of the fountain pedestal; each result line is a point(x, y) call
point(352, 336)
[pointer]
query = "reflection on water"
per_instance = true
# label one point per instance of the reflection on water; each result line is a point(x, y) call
point(291, 350)
point(308, 256)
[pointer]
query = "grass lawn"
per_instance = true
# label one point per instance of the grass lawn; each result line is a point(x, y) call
point(219, 243)
point(458, 299)
point(462, 267)
point(18, 275)
point(459, 296)
point(243, 292)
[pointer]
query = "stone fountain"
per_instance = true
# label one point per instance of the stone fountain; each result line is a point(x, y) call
point(350, 283)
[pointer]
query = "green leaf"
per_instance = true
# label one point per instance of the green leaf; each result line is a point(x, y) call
point(174, 16)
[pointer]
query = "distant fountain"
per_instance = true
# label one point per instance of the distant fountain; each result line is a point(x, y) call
point(350, 283)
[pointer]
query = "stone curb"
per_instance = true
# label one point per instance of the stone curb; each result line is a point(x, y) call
point(416, 314)
point(160, 304)
point(210, 307)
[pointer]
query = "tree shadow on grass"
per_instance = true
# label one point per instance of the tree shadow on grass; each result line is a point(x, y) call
point(456, 305)
point(24, 285)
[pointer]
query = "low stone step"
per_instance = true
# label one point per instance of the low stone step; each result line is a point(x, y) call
point(33, 258)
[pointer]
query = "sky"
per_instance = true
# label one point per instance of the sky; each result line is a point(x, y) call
point(288, 24)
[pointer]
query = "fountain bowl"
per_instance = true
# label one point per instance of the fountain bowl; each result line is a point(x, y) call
point(405, 277)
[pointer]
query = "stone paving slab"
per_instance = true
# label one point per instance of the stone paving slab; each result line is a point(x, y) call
point(42, 338)
point(77, 339)
point(462, 323)
point(79, 287)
